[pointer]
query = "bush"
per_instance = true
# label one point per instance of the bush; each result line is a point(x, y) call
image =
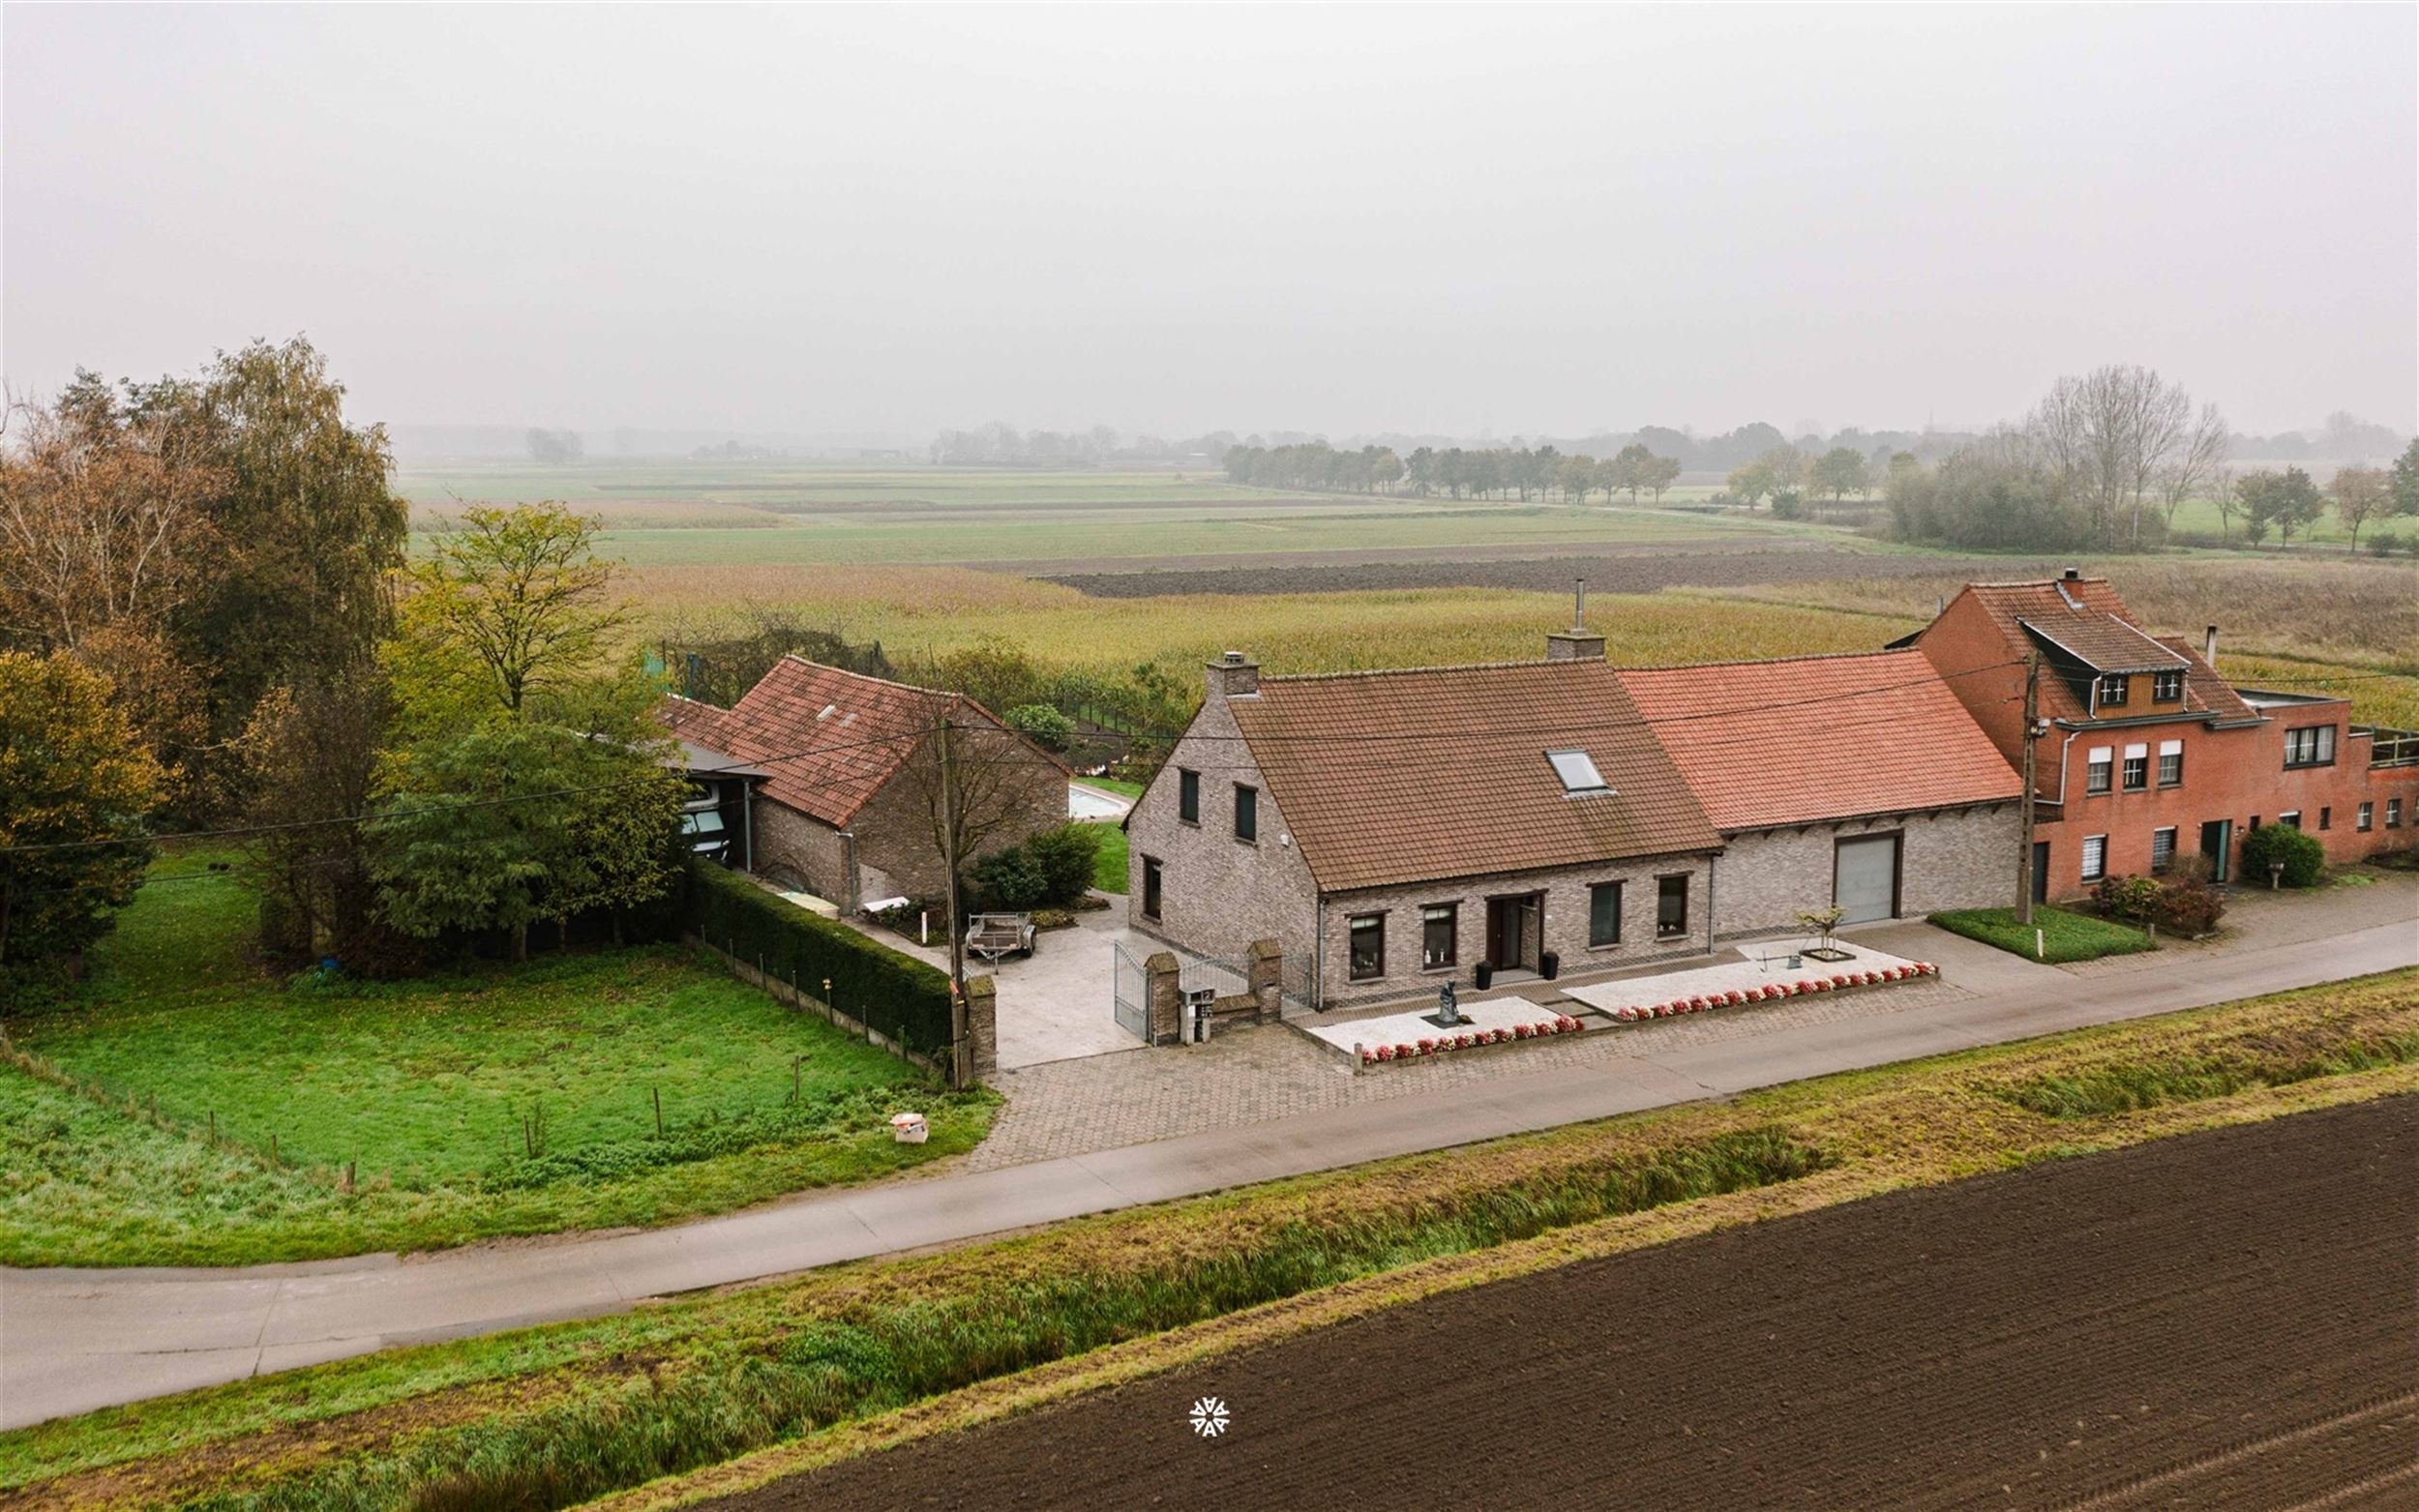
point(1054, 867)
point(2188, 907)
point(2128, 897)
point(1042, 725)
point(2301, 855)
point(893, 994)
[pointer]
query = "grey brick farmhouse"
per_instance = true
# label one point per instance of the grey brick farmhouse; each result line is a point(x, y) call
point(1394, 830)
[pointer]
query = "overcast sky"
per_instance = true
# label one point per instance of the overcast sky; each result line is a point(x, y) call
point(826, 221)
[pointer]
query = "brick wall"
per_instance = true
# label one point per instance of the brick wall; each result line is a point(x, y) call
point(788, 841)
point(1219, 893)
point(1948, 859)
point(1565, 924)
point(2236, 775)
point(1000, 774)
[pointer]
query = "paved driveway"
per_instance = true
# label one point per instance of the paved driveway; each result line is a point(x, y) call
point(1055, 1005)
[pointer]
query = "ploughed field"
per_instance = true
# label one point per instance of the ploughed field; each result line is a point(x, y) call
point(2227, 1318)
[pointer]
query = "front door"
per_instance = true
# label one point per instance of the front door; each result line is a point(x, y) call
point(1864, 879)
point(2041, 871)
point(1512, 931)
point(2216, 843)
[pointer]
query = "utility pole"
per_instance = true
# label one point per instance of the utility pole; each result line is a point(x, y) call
point(2024, 854)
point(958, 1027)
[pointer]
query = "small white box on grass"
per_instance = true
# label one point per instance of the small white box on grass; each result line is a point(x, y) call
point(910, 1128)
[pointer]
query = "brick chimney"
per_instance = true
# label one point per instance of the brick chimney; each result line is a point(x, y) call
point(1578, 644)
point(1233, 675)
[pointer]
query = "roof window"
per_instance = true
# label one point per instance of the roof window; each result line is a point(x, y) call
point(1577, 770)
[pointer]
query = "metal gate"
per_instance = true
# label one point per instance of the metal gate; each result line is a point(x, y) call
point(1129, 992)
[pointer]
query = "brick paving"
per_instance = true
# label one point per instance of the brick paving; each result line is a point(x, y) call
point(1252, 1075)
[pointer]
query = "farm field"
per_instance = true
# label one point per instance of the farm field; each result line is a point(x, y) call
point(741, 513)
point(828, 1365)
point(492, 1101)
point(2136, 1330)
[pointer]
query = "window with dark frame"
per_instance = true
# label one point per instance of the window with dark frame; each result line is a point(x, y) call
point(2291, 821)
point(2136, 772)
point(1366, 960)
point(2095, 857)
point(2312, 744)
point(1439, 935)
point(2170, 763)
point(2167, 686)
point(1246, 812)
point(1188, 795)
point(2162, 849)
point(1671, 906)
point(2115, 689)
point(1150, 887)
point(2326, 818)
point(1604, 913)
point(2099, 765)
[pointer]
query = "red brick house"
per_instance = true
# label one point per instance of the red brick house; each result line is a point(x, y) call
point(2145, 753)
point(844, 804)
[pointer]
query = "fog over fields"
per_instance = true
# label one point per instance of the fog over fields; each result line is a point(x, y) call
point(861, 226)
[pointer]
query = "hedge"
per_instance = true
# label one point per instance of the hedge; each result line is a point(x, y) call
point(893, 994)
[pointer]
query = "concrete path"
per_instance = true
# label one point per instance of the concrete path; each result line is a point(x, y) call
point(74, 1340)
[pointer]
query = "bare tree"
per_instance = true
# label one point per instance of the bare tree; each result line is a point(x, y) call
point(964, 777)
point(2197, 464)
point(2109, 434)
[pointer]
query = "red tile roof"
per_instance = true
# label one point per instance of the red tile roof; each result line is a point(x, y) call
point(2089, 618)
point(1396, 777)
point(829, 738)
point(1819, 737)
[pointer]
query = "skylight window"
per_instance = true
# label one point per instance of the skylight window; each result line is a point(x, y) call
point(1577, 770)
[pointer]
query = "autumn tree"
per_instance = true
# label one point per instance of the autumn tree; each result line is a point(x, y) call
point(528, 780)
point(2361, 494)
point(75, 785)
point(2404, 485)
point(1657, 473)
point(2113, 434)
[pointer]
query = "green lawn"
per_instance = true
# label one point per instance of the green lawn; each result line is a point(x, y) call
point(2064, 936)
point(436, 1091)
point(1108, 871)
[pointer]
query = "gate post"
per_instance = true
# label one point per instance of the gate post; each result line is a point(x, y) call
point(1164, 991)
point(1266, 974)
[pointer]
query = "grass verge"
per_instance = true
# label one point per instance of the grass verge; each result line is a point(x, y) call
point(2064, 936)
point(546, 1416)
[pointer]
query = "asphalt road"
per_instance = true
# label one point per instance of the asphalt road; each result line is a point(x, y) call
point(74, 1340)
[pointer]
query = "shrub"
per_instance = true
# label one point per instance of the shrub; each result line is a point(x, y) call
point(2300, 855)
point(1042, 725)
point(1053, 869)
point(2188, 907)
point(2128, 897)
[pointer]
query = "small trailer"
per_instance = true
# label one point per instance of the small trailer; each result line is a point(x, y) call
point(995, 937)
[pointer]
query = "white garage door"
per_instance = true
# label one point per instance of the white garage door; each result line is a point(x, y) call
point(1865, 878)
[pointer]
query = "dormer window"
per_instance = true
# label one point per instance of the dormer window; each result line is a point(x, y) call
point(2114, 688)
point(2167, 686)
point(1577, 771)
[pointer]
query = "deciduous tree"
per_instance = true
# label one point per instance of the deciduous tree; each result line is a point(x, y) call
point(75, 785)
point(2361, 495)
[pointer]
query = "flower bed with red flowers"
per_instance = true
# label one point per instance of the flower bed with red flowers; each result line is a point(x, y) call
point(1473, 1038)
point(1774, 991)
